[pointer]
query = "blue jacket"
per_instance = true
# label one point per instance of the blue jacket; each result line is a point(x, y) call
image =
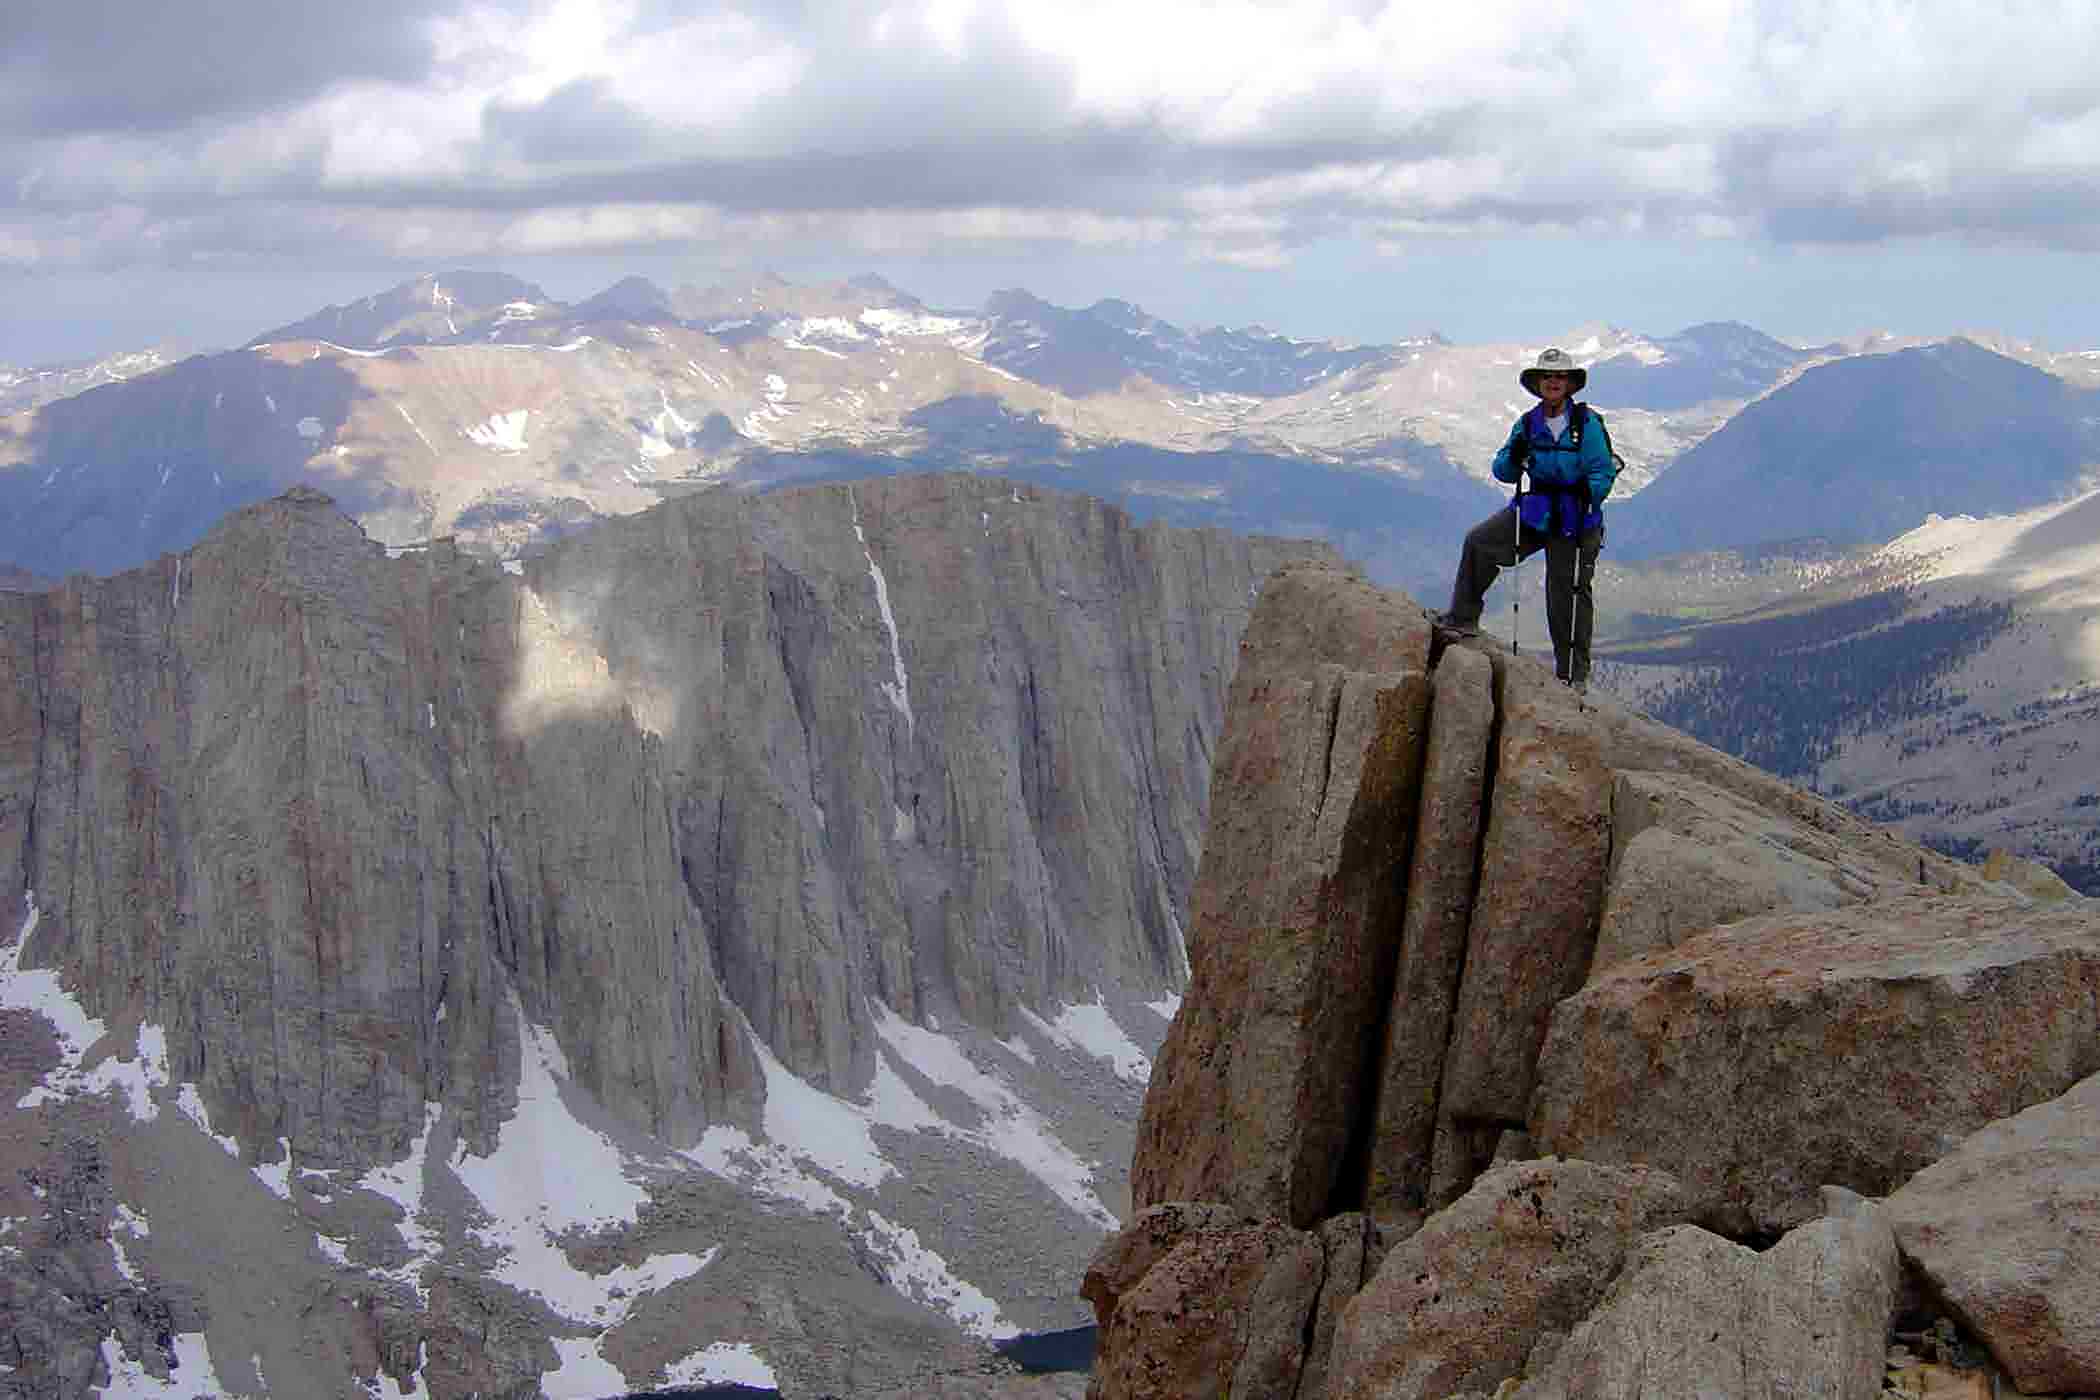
point(1570, 474)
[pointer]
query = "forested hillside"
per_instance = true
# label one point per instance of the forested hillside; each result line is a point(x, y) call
point(1779, 691)
point(1901, 704)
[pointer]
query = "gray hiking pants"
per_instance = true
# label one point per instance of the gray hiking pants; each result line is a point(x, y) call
point(1570, 565)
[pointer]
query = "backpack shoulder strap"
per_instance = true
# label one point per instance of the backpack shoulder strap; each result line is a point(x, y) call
point(1580, 416)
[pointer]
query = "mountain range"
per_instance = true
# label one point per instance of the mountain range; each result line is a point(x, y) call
point(474, 405)
point(657, 877)
point(471, 406)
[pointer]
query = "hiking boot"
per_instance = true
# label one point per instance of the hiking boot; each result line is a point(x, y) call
point(1455, 626)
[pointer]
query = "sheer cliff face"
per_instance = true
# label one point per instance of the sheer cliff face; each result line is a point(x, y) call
point(711, 776)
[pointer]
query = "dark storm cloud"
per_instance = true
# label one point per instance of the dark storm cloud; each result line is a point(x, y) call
point(1118, 168)
point(1838, 187)
point(580, 121)
point(72, 66)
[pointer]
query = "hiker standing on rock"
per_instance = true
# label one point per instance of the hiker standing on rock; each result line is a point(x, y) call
point(1561, 446)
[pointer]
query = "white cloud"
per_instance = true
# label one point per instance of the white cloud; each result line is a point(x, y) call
point(1709, 106)
point(825, 131)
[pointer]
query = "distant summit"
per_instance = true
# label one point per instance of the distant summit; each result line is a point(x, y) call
point(629, 299)
point(1719, 360)
point(1095, 350)
point(1861, 449)
point(432, 308)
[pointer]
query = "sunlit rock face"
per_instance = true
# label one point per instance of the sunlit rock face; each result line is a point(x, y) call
point(816, 861)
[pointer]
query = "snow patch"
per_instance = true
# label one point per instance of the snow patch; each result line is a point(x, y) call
point(1090, 1030)
point(567, 349)
point(277, 1175)
point(885, 321)
point(551, 1174)
point(898, 691)
point(921, 1275)
point(775, 408)
point(349, 350)
point(723, 1363)
point(501, 432)
point(40, 991)
point(808, 1131)
point(815, 1127)
point(583, 1372)
point(126, 1221)
point(192, 1105)
point(402, 1183)
point(190, 1375)
point(796, 334)
point(1011, 1128)
point(656, 439)
point(830, 327)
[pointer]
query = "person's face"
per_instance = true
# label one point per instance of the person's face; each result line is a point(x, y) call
point(1553, 388)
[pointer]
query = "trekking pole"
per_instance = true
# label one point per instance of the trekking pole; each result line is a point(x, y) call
point(1516, 566)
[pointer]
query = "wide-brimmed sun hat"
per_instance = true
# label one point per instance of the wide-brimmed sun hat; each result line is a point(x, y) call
point(1553, 360)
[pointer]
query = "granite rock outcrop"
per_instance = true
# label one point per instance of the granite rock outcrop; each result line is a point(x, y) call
point(1627, 1032)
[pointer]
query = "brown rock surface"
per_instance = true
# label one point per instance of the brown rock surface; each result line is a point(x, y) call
point(1763, 1059)
point(1461, 1303)
point(1534, 921)
point(1294, 920)
point(1222, 1316)
point(1433, 935)
point(2007, 1229)
point(1125, 1257)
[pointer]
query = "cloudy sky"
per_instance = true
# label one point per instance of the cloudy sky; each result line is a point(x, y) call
point(194, 171)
